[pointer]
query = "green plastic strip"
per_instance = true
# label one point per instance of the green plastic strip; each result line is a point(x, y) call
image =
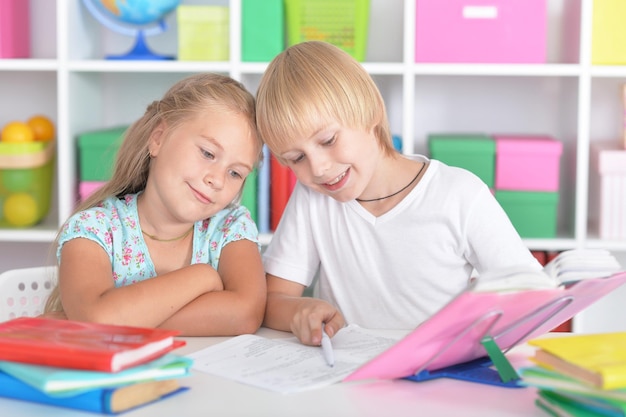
point(503, 366)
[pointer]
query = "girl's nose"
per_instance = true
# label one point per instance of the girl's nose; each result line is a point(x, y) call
point(215, 179)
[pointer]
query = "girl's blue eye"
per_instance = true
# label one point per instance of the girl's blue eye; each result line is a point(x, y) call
point(207, 154)
point(298, 159)
point(235, 174)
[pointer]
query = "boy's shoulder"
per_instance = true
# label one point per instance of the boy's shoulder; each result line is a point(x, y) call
point(454, 174)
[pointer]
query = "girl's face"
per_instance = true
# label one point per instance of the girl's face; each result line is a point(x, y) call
point(201, 166)
point(334, 160)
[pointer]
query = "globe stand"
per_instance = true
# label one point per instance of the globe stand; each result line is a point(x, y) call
point(140, 51)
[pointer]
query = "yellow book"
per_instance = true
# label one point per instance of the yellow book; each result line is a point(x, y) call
point(597, 359)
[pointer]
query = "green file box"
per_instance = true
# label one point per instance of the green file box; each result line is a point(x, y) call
point(97, 153)
point(476, 153)
point(533, 213)
point(262, 30)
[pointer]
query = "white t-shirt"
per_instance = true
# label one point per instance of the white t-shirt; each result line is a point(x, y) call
point(396, 270)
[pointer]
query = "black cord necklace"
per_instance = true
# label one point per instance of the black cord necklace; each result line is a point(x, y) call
point(397, 192)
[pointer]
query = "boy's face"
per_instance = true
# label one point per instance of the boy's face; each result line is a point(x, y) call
point(334, 160)
point(199, 169)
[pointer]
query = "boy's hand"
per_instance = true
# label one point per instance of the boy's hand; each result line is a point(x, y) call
point(307, 322)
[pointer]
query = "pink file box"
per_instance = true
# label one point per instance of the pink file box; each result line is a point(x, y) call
point(14, 29)
point(480, 31)
point(86, 188)
point(527, 163)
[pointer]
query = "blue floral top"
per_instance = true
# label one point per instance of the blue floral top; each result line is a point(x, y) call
point(114, 225)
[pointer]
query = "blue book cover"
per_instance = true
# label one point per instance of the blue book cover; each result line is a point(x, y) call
point(263, 196)
point(112, 400)
point(66, 382)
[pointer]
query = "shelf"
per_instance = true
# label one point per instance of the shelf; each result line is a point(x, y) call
point(567, 97)
point(530, 70)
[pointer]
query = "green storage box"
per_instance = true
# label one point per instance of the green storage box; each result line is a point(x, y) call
point(262, 30)
point(26, 172)
point(534, 214)
point(97, 151)
point(476, 153)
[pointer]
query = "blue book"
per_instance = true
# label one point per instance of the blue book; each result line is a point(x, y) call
point(263, 196)
point(113, 400)
point(65, 381)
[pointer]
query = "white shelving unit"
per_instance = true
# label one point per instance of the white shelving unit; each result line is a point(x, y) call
point(567, 97)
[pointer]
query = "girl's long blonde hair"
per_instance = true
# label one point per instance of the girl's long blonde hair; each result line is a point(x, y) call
point(185, 100)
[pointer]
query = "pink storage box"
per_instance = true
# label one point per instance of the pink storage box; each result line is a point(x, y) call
point(480, 31)
point(527, 163)
point(14, 29)
point(609, 170)
point(86, 188)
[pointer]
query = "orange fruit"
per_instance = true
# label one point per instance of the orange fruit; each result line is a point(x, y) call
point(42, 126)
point(17, 132)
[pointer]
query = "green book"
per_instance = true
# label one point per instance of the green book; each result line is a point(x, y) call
point(578, 405)
point(65, 381)
point(547, 380)
point(249, 195)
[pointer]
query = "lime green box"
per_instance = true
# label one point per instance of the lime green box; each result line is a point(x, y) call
point(97, 151)
point(26, 172)
point(474, 152)
point(203, 33)
point(533, 213)
point(343, 23)
point(262, 29)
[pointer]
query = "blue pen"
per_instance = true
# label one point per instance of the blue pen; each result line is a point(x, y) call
point(327, 348)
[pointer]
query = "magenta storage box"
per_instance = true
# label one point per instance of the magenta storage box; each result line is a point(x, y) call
point(527, 163)
point(14, 29)
point(480, 31)
point(609, 175)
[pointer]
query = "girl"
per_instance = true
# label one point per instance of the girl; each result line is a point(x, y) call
point(392, 237)
point(162, 244)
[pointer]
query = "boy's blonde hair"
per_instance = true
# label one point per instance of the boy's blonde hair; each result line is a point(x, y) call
point(311, 84)
point(184, 101)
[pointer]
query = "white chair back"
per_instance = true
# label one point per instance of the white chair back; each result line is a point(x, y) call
point(24, 291)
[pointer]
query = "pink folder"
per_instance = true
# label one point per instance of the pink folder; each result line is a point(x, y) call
point(454, 334)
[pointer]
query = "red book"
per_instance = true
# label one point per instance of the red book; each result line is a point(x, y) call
point(279, 191)
point(82, 345)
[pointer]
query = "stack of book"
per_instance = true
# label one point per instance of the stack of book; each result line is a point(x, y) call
point(93, 367)
point(579, 375)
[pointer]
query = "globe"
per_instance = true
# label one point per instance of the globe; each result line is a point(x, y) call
point(136, 18)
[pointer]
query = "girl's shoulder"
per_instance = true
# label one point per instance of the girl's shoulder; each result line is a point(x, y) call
point(110, 210)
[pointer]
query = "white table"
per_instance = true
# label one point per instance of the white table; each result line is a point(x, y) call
point(217, 397)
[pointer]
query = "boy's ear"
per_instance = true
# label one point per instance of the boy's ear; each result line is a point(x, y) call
point(156, 139)
point(376, 123)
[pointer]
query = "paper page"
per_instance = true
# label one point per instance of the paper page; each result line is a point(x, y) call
point(286, 365)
